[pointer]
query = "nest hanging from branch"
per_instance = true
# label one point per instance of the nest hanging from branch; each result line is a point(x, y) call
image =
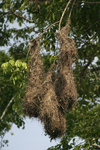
point(50, 114)
point(65, 86)
point(48, 99)
point(32, 95)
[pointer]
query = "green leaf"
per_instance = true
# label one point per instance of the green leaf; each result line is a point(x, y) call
point(18, 63)
point(11, 133)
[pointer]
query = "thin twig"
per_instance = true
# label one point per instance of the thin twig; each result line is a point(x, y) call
point(49, 27)
point(71, 8)
point(96, 145)
point(46, 30)
point(92, 25)
point(22, 17)
point(83, 70)
point(4, 112)
point(63, 14)
point(41, 36)
point(16, 14)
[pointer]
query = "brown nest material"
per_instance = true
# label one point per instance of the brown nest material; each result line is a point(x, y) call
point(65, 86)
point(32, 95)
point(50, 114)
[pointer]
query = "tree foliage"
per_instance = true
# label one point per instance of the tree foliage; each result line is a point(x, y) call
point(32, 19)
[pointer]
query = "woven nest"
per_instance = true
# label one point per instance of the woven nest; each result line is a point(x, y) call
point(48, 98)
point(65, 86)
point(50, 114)
point(32, 95)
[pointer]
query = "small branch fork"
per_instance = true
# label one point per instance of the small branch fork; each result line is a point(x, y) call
point(57, 21)
point(18, 15)
point(4, 112)
point(61, 16)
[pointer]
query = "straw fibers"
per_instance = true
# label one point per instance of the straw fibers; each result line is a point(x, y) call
point(65, 86)
point(32, 95)
point(47, 98)
point(50, 114)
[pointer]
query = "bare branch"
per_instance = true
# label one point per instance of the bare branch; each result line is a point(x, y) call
point(85, 68)
point(96, 145)
point(16, 14)
point(92, 25)
point(4, 112)
point(72, 8)
point(49, 27)
point(46, 29)
point(90, 59)
point(63, 14)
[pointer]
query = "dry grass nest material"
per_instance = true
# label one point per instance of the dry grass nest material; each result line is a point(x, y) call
point(32, 95)
point(65, 86)
point(47, 99)
point(50, 114)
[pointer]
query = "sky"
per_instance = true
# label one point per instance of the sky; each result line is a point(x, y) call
point(31, 138)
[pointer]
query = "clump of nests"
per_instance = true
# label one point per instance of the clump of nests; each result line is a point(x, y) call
point(48, 98)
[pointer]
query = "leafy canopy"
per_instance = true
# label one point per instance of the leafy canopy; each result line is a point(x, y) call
point(32, 19)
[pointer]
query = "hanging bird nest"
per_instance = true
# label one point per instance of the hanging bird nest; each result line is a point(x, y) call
point(48, 98)
point(50, 114)
point(65, 86)
point(32, 95)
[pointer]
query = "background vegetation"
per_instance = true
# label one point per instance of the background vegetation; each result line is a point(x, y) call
point(33, 17)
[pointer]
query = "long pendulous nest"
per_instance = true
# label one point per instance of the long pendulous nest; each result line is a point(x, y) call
point(50, 114)
point(32, 95)
point(48, 98)
point(65, 86)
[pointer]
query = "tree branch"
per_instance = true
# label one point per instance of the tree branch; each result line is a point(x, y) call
point(4, 112)
point(49, 27)
point(72, 8)
point(92, 25)
point(17, 15)
point(85, 67)
point(90, 57)
point(63, 14)
point(96, 145)
point(22, 17)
